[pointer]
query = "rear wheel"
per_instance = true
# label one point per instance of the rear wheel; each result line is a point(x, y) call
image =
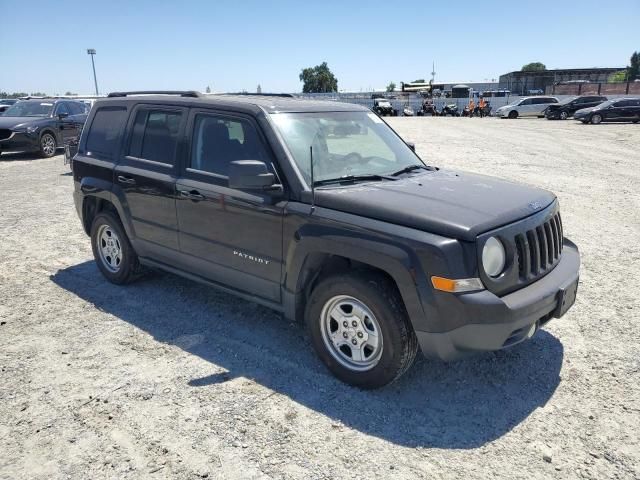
point(360, 330)
point(564, 115)
point(513, 114)
point(48, 145)
point(112, 250)
point(596, 119)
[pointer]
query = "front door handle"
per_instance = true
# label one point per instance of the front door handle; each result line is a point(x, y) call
point(126, 180)
point(192, 195)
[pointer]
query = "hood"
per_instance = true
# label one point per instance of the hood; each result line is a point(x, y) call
point(584, 111)
point(11, 122)
point(452, 204)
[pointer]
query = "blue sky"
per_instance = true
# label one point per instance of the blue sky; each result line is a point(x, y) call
point(235, 45)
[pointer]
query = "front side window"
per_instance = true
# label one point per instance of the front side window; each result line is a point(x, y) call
point(29, 109)
point(218, 141)
point(155, 135)
point(527, 101)
point(61, 108)
point(343, 144)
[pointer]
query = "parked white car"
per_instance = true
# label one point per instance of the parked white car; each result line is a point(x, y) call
point(526, 107)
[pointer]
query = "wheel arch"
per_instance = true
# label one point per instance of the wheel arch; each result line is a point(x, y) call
point(314, 258)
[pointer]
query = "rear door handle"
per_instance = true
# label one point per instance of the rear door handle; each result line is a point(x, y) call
point(126, 180)
point(192, 195)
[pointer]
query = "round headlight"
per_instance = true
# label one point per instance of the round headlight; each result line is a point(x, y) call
point(493, 257)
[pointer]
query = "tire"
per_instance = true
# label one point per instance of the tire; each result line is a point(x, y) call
point(596, 119)
point(513, 114)
point(118, 261)
point(564, 115)
point(382, 329)
point(48, 145)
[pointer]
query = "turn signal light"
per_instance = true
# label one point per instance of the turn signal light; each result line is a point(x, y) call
point(457, 286)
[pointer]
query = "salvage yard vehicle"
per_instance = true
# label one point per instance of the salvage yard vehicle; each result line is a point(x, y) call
point(383, 107)
point(618, 110)
point(40, 125)
point(321, 211)
point(566, 108)
point(5, 103)
point(526, 107)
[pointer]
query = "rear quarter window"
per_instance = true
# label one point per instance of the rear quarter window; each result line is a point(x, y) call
point(104, 134)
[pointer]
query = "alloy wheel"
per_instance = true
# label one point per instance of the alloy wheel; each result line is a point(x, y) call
point(109, 248)
point(351, 333)
point(48, 144)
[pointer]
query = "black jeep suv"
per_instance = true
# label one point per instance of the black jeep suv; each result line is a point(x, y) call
point(566, 108)
point(321, 211)
point(41, 125)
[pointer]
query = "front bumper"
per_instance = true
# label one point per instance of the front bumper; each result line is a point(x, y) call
point(19, 142)
point(500, 322)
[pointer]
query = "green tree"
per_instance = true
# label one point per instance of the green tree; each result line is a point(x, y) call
point(619, 76)
point(391, 87)
point(318, 79)
point(208, 90)
point(634, 68)
point(534, 67)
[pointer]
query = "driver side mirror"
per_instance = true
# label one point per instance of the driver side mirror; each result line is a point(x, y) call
point(62, 115)
point(252, 175)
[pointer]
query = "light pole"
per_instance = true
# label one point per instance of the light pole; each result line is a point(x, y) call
point(92, 52)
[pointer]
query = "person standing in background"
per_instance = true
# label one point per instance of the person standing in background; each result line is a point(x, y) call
point(472, 107)
point(481, 106)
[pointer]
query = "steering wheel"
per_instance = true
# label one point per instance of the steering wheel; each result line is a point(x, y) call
point(355, 156)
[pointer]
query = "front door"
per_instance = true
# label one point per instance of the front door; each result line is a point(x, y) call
point(145, 178)
point(67, 128)
point(230, 236)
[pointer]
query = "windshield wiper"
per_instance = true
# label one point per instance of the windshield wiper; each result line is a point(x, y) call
point(410, 168)
point(352, 179)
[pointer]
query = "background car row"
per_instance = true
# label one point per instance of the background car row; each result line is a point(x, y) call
point(42, 125)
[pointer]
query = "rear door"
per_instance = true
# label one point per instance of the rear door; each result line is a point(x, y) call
point(230, 236)
point(145, 177)
point(620, 111)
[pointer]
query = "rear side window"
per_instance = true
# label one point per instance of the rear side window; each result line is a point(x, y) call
point(104, 135)
point(155, 135)
point(218, 141)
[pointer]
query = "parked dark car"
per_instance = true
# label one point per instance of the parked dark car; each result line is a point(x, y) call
point(6, 103)
point(383, 107)
point(618, 110)
point(566, 108)
point(321, 211)
point(41, 125)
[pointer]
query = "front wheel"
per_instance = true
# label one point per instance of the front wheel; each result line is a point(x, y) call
point(564, 115)
point(48, 145)
point(360, 330)
point(596, 119)
point(112, 250)
point(513, 114)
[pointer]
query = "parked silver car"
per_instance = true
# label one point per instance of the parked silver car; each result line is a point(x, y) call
point(526, 107)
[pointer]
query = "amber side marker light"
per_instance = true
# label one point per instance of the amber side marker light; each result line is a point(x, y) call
point(457, 286)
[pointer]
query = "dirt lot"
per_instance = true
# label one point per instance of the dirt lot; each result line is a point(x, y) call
point(169, 379)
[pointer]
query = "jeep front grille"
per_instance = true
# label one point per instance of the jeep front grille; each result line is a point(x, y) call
point(539, 249)
point(5, 133)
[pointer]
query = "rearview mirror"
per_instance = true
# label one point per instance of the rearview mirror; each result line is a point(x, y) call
point(251, 175)
point(412, 146)
point(62, 115)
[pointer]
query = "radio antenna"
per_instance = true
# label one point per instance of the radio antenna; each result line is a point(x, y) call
point(313, 187)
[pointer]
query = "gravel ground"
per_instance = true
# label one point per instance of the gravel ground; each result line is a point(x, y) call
point(169, 379)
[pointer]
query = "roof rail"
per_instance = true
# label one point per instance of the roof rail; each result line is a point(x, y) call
point(283, 95)
point(182, 93)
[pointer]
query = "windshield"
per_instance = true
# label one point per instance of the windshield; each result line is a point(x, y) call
point(344, 144)
point(606, 104)
point(567, 100)
point(384, 103)
point(29, 109)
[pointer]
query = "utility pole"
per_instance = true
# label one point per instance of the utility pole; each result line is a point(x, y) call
point(92, 52)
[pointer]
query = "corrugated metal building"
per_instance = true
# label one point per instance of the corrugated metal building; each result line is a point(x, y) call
point(521, 83)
